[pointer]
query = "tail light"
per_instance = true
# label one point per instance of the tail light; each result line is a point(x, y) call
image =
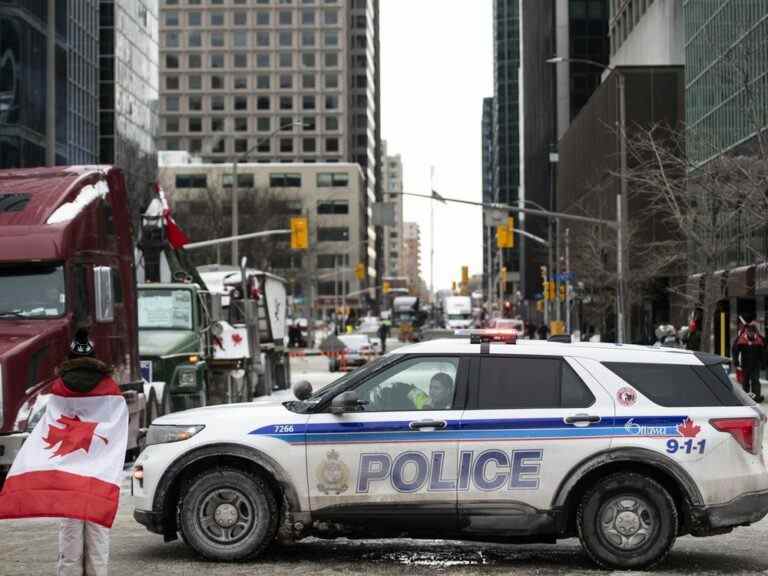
point(744, 430)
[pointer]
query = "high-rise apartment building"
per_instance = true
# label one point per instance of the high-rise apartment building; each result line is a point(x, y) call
point(412, 255)
point(506, 145)
point(392, 181)
point(282, 81)
point(128, 93)
point(26, 132)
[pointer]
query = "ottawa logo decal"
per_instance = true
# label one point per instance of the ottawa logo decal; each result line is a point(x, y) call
point(688, 429)
point(626, 396)
point(76, 435)
point(333, 475)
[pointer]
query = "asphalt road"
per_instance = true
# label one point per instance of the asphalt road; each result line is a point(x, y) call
point(29, 547)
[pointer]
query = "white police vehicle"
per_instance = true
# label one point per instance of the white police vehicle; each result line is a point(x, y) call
point(625, 447)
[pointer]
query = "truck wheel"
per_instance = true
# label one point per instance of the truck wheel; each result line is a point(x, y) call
point(627, 521)
point(228, 515)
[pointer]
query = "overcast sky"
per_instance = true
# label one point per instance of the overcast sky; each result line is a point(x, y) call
point(437, 66)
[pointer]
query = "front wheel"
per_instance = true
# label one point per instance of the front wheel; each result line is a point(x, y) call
point(228, 515)
point(627, 521)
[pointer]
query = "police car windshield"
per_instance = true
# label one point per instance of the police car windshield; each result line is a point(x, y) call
point(330, 390)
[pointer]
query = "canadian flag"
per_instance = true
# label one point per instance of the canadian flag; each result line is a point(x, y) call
point(71, 464)
point(159, 207)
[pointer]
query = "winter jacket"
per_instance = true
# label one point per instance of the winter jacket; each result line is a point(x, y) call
point(749, 352)
point(82, 375)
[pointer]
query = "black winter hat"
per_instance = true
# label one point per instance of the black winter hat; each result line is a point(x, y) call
point(81, 346)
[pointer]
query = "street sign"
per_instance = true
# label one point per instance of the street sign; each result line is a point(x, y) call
point(495, 217)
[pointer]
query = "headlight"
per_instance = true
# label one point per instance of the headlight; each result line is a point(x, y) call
point(159, 434)
point(187, 379)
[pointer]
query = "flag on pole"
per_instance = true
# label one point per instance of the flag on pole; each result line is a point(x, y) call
point(159, 207)
point(72, 462)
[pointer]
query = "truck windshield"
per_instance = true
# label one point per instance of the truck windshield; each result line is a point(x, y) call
point(459, 316)
point(165, 309)
point(32, 291)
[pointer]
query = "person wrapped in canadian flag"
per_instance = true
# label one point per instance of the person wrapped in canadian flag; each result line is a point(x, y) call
point(71, 465)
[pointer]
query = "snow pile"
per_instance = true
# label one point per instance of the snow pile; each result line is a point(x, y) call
point(70, 210)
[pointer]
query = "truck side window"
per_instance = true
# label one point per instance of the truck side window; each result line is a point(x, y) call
point(82, 307)
point(117, 286)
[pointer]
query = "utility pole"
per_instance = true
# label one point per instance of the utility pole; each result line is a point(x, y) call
point(568, 281)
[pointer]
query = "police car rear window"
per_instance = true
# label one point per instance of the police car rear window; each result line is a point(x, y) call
point(527, 383)
point(674, 385)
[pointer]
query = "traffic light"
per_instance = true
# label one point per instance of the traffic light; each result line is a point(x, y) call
point(546, 290)
point(511, 231)
point(552, 290)
point(465, 275)
point(386, 287)
point(360, 271)
point(562, 292)
point(299, 233)
point(504, 275)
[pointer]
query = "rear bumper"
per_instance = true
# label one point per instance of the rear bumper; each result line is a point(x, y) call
point(10, 444)
point(746, 509)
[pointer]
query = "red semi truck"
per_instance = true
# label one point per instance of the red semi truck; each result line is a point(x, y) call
point(66, 261)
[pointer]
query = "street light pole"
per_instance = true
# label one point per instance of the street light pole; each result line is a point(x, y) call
point(236, 188)
point(621, 197)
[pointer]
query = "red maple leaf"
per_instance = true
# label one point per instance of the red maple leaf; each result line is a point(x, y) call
point(688, 429)
point(76, 435)
point(237, 339)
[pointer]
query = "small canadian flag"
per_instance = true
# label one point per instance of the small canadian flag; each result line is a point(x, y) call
point(71, 464)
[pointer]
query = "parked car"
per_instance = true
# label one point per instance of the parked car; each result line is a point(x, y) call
point(358, 351)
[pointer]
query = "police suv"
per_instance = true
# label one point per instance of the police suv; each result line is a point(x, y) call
point(625, 447)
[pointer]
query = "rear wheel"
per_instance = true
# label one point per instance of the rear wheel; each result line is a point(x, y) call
point(228, 515)
point(627, 521)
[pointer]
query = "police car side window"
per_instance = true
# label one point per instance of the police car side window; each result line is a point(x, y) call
point(416, 384)
point(527, 383)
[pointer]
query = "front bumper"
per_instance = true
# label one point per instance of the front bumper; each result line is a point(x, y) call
point(741, 511)
point(152, 521)
point(10, 444)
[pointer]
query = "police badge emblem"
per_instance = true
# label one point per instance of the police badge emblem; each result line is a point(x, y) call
point(333, 475)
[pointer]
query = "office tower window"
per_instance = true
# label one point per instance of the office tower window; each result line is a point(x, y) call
point(262, 39)
point(285, 39)
point(331, 144)
point(217, 18)
point(309, 124)
point(308, 102)
point(217, 82)
point(331, 81)
point(331, 17)
point(240, 60)
point(195, 82)
point(172, 103)
point(307, 38)
point(240, 18)
point(262, 82)
point(285, 18)
point(286, 103)
point(195, 103)
point(217, 103)
point(331, 102)
point(195, 40)
point(240, 39)
point(331, 59)
point(262, 18)
point(241, 124)
point(241, 103)
point(309, 145)
point(171, 18)
point(217, 39)
point(286, 81)
point(196, 124)
point(241, 83)
point(308, 59)
point(331, 39)
point(286, 145)
point(171, 61)
point(264, 124)
point(308, 17)
point(285, 59)
point(172, 124)
point(217, 60)
point(217, 124)
point(262, 60)
point(172, 83)
point(331, 123)
point(195, 19)
point(263, 103)
point(308, 81)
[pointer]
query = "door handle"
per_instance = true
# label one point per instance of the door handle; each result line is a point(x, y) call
point(582, 419)
point(437, 424)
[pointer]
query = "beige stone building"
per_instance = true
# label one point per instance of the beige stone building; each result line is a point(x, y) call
point(332, 197)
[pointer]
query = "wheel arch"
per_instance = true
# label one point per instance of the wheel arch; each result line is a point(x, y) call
point(663, 469)
point(215, 455)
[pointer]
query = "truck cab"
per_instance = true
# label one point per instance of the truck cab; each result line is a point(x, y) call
point(66, 261)
point(172, 346)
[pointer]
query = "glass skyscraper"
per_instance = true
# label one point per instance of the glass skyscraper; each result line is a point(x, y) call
point(726, 70)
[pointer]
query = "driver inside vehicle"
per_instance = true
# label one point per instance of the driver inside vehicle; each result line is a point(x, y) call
point(440, 392)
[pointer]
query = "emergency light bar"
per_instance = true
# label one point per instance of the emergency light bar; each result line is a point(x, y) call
point(498, 336)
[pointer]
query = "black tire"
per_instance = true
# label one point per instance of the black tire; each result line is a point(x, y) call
point(627, 521)
point(239, 499)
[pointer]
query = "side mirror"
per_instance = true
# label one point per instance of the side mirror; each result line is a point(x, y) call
point(345, 402)
point(302, 390)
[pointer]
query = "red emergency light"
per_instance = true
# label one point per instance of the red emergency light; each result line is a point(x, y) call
point(491, 335)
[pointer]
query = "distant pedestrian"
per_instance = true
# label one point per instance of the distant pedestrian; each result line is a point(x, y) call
point(749, 356)
point(383, 335)
point(71, 464)
point(694, 336)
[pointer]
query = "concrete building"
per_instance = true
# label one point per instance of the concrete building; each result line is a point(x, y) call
point(48, 83)
point(412, 256)
point(233, 74)
point(647, 33)
point(128, 93)
point(392, 180)
point(333, 197)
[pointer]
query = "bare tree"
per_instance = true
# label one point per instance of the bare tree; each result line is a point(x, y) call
point(710, 210)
